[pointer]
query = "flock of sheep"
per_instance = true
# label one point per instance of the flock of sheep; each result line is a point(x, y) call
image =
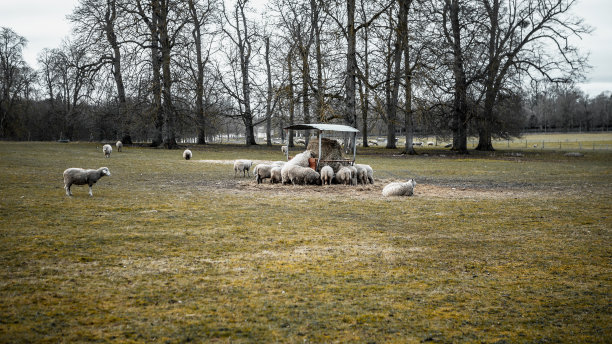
point(297, 171)
point(294, 171)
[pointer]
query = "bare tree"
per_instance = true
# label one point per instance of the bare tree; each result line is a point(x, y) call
point(13, 77)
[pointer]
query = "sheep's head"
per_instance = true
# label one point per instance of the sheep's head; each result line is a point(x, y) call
point(105, 171)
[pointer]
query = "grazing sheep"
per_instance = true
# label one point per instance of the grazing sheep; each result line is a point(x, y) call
point(107, 150)
point(242, 166)
point(370, 172)
point(343, 176)
point(284, 149)
point(275, 175)
point(430, 143)
point(353, 174)
point(303, 175)
point(187, 154)
point(262, 172)
point(327, 174)
point(119, 146)
point(399, 189)
point(362, 174)
point(79, 176)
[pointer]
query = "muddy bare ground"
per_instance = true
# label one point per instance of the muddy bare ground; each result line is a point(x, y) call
point(427, 189)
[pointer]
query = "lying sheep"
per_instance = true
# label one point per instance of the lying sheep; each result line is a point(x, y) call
point(327, 174)
point(187, 154)
point(343, 176)
point(107, 150)
point(275, 175)
point(242, 166)
point(399, 189)
point(79, 176)
point(303, 175)
point(119, 145)
point(262, 172)
point(370, 172)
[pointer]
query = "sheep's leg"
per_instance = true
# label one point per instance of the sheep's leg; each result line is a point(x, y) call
point(90, 193)
point(67, 187)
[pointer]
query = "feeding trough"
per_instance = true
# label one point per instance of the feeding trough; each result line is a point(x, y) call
point(329, 152)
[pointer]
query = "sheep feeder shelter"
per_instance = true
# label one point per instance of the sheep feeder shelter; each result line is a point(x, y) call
point(328, 151)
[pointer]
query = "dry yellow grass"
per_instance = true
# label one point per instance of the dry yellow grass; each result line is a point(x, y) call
point(489, 249)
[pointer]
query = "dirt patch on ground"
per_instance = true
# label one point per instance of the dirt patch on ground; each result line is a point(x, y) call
point(425, 190)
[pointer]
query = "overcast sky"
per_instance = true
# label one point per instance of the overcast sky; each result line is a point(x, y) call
point(43, 23)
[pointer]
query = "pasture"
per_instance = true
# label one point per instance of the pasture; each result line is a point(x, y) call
point(493, 247)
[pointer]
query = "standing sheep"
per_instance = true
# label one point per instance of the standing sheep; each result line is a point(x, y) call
point(242, 166)
point(303, 175)
point(284, 149)
point(119, 145)
point(262, 172)
point(107, 150)
point(362, 174)
point(187, 154)
point(399, 189)
point(353, 174)
point(275, 175)
point(370, 172)
point(343, 176)
point(79, 176)
point(327, 174)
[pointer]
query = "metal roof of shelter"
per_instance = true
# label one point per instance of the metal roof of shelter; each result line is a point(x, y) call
point(323, 127)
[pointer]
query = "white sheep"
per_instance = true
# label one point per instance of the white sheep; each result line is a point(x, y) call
point(284, 149)
point(301, 159)
point(107, 150)
point(430, 143)
point(303, 175)
point(369, 170)
point(187, 154)
point(242, 166)
point(262, 172)
point(119, 146)
point(353, 174)
point(399, 189)
point(343, 176)
point(275, 175)
point(362, 174)
point(327, 174)
point(79, 176)
point(278, 163)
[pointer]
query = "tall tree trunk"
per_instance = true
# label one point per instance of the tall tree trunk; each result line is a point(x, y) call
point(197, 37)
point(244, 47)
point(365, 102)
point(304, 52)
point(351, 65)
point(408, 123)
point(168, 130)
point(268, 95)
point(291, 96)
point(460, 83)
point(319, 92)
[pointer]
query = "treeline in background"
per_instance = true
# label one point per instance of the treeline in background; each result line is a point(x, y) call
point(163, 72)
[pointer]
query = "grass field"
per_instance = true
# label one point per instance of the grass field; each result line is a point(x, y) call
point(493, 247)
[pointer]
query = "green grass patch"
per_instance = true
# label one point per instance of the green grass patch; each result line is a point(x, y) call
point(491, 248)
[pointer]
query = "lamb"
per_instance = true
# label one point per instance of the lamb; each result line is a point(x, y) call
point(79, 176)
point(275, 175)
point(399, 189)
point(187, 154)
point(343, 176)
point(370, 172)
point(242, 166)
point(262, 172)
point(107, 149)
point(327, 174)
point(119, 145)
